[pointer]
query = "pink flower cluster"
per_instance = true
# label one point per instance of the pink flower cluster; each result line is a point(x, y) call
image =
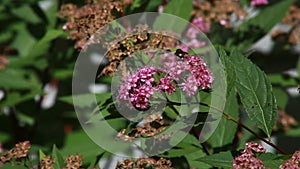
point(199, 75)
point(293, 162)
point(139, 87)
point(247, 159)
point(259, 2)
point(198, 23)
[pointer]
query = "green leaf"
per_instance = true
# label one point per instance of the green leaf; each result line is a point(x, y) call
point(26, 13)
point(10, 166)
point(23, 40)
point(256, 93)
point(267, 18)
point(41, 47)
point(15, 79)
point(229, 69)
point(42, 155)
point(193, 159)
point(255, 28)
point(180, 8)
point(59, 161)
point(294, 132)
point(223, 159)
point(271, 160)
point(85, 100)
point(178, 152)
point(152, 6)
point(281, 96)
point(281, 80)
point(79, 143)
point(226, 130)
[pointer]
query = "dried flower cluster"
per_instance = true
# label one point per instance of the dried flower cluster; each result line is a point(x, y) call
point(218, 11)
point(149, 129)
point(293, 20)
point(73, 162)
point(248, 159)
point(142, 163)
point(140, 86)
point(19, 151)
point(47, 163)
point(293, 162)
point(4, 52)
point(140, 38)
point(284, 121)
point(83, 22)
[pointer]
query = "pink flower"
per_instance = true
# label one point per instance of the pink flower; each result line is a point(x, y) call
point(200, 72)
point(165, 85)
point(198, 25)
point(194, 43)
point(195, 72)
point(292, 163)
point(247, 159)
point(259, 2)
point(190, 86)
point(160, 9)
point(254, 147)
point(138, 88)
point(1, 149)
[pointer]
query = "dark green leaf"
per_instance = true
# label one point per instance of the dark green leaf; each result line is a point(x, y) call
point(282, 97)
point(41, 47)
point(271, 160)
point(86, 100)
point(26, 13)
point(256, 93)
point(294, 132)
point(194, 160)
point(10, 166)
point(267, 18)
point(180, 8)
point(255, 28)
point(225, 132)
point(79, 143)
point(59, 161)
point(223, 159)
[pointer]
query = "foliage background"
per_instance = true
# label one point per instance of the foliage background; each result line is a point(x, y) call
point(40, 55)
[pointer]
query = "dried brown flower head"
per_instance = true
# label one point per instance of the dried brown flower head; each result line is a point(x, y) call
point(142, 163)
point(153, 125)
point(47, 163)
point(284, 121)
point(4, 52)
point(73, 162)
point(293, 20)
point(218, 11)
point(19, 151)
point(140, 38)
point(83, 22)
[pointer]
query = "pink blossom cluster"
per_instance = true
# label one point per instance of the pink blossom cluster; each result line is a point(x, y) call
point(248, 159)
point(139, 87)
point(198, 74)
point(293, 162)
point(199, 24)
point(259, 2)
